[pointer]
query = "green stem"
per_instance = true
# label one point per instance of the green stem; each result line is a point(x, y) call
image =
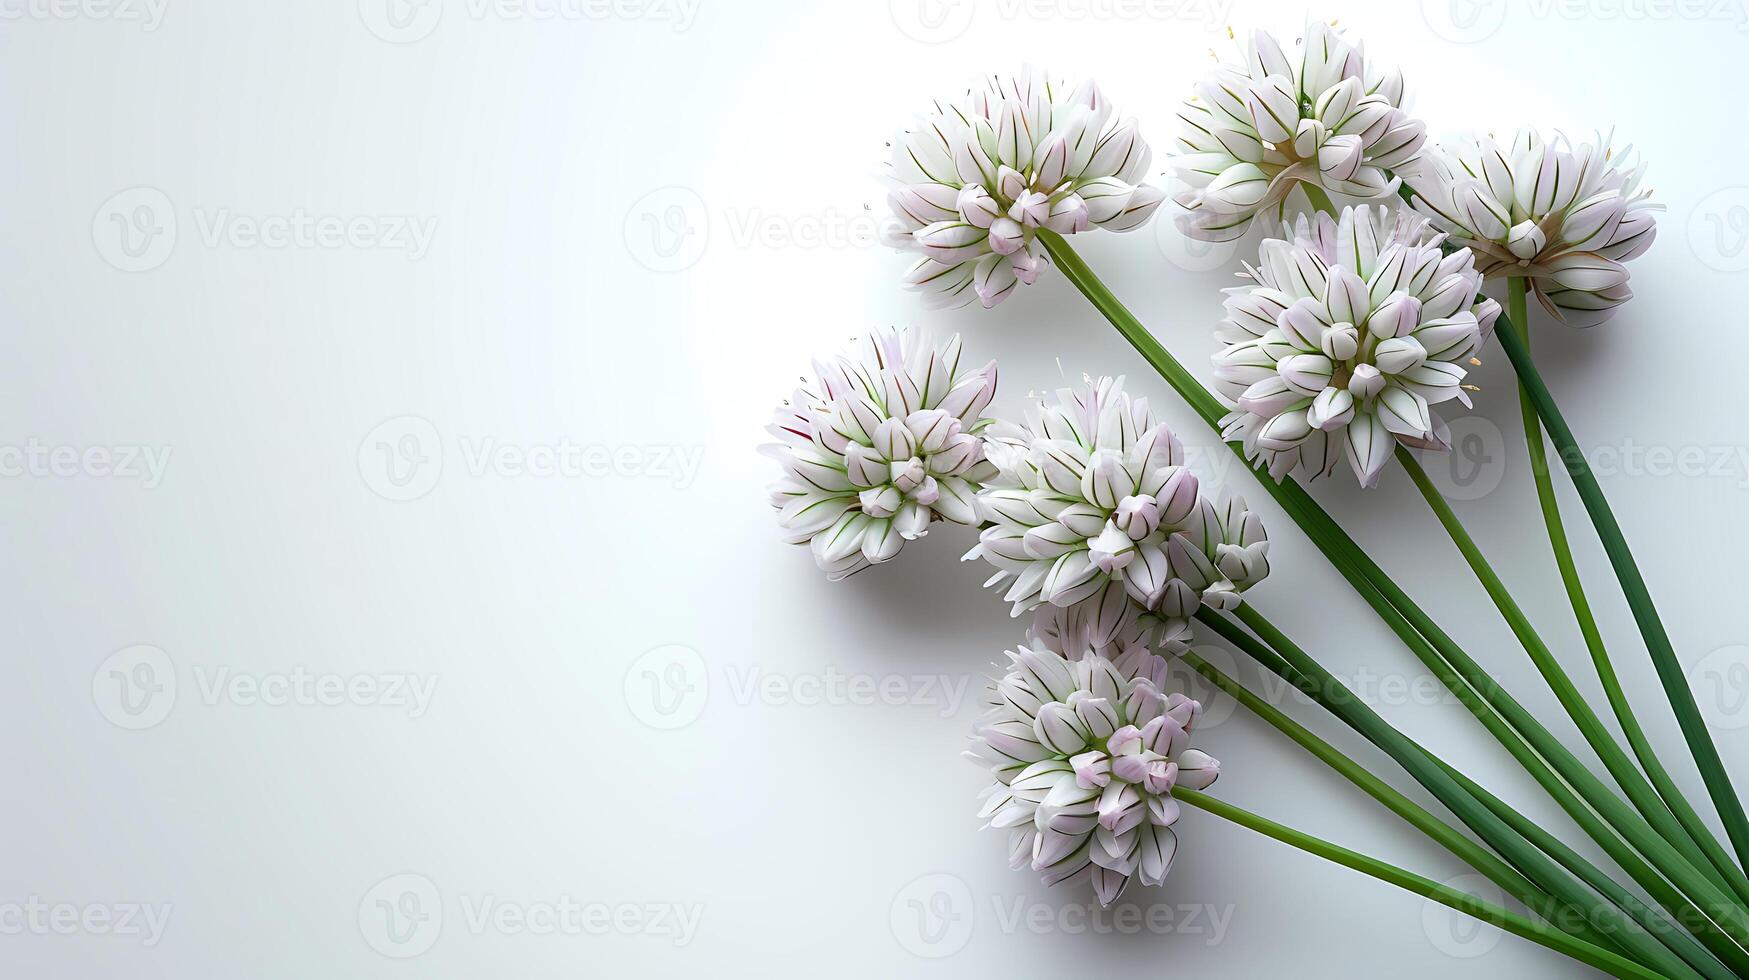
point(1612, 689)
point(1626, 774)
point(1442, 833)
point(1560, 942)
point(1667, 931)
point(1431, 644)
point(1680, 907)
point(1633, 585)
point(1319, 199)
point(1533, 863)
point(1477, 857)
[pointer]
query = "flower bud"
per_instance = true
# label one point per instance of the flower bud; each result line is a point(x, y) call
point(1006, 236)
point(880, 501)
point(1341, 342)
point(1366, 382)
point(1526, 240)
point(1138, 516)
point(976, 206)
point(1112, 550)
point(1399, 354)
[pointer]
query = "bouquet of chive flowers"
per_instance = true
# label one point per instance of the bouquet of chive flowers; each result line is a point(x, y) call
point(1343, 348)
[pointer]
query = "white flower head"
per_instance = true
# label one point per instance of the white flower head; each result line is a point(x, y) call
point(883, 443)
point(1086, 752)
point(1091, 497)
point(1564, 217)
point(1321, 115)
point(1348, 336)
point(976, 180)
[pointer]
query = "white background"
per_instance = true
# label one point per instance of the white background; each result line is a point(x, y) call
point(642, 223)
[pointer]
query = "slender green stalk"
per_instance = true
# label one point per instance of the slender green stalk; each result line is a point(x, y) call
point(1679, 906)
point(1626, 774)
point(1587, 953)
point(1633, 584)
point(1679, 941)
point(1535, 865)
point(1512, 725)
point(1666, 931)
point(1442, 833)
point(1419, 632)
point(1624, 713)
point(1320, 199)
